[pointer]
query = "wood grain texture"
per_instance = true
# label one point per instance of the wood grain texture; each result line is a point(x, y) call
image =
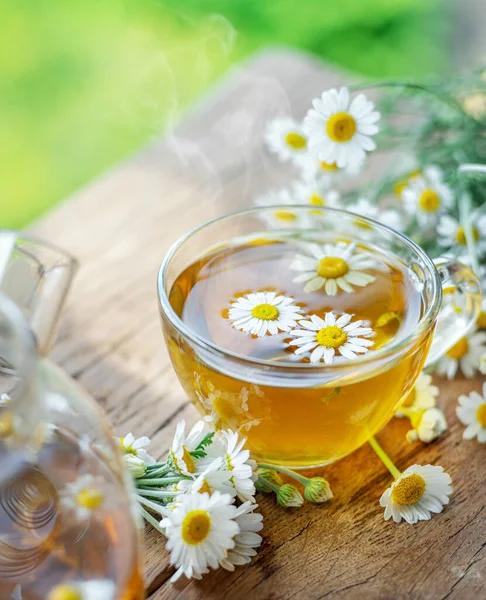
point(120, 228)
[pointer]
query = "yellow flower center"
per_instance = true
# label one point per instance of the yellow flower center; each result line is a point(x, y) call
point(317, 200)
point(295, 140)
point(196, 527)
point(481, 320)
point(285, 215)
point(459, 349)
point(187, 458)
point(481, 414)
point(429, 200)
point(409, 490)
point(399, 187)
point(265, 312)
point(331, 337)
point(328, 166)
point(127, 449)
point(341, 127)
point(410, 399)
point(332, 267)
point(64, 592)
point(89, 498)
point(205, 488)
point(387, 318)
point(6, 425)
point(461, 235)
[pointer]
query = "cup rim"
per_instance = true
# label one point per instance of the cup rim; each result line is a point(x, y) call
point(386, 351)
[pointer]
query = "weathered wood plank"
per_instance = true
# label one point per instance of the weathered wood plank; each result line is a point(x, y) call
point(120, 227)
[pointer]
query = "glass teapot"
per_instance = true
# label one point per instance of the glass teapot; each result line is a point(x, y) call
point(68, 524)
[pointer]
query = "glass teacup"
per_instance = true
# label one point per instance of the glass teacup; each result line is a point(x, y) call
point(296, 412)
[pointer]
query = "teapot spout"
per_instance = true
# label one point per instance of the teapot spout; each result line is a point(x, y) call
point(36, 276)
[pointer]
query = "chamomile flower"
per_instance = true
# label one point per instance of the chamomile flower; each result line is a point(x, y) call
point(250, 523)
point(422, 397)
point(280, 199)
point(285, 138)
point(136, 467)
point(324, 337)
point(136, 447)
point(364, 208)
point(416, 494)
point(451, 233)
point(83, 496)
point(333, 267)
point(426, 197)
point(95, 589)
point(212, 478)
point(180, 456)
point(313, 168)
point(241, 467)
point(466, 354)
point(200, 531)
point(316, 193)
point(341, 131)
point(472, 413)
point(262, 313)
point(428, 425)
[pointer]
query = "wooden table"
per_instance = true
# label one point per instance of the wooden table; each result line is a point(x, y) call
point(120, 228)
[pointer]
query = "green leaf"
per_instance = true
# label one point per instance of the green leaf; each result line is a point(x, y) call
point(200, 451)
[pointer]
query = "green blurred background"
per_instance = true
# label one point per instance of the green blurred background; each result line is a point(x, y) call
point(86, 82)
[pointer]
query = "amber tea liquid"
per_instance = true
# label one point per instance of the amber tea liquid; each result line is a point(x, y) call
point(292, 425)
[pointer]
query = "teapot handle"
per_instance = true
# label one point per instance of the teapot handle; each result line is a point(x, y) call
point(461, 305)
point(36, 276)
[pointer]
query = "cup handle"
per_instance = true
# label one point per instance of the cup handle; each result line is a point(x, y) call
point(461, 305)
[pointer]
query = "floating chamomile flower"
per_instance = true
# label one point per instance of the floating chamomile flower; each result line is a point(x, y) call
point(316, 192)
point(262, 313)
point(422, 397)
point(247, 540)
point(472, 413)
point(282, 216)
point(427, 196)
point(285, 138)
point(200, 531)
point(452, 233)
point(83, 496)
point(364, 208)
point(416, 494)
point(428, 425)
point(136, 447)
point(466, 354)
point(180, 456)
point(96, 589)
point(339, 130)
point(324, 337)
point(333, 267)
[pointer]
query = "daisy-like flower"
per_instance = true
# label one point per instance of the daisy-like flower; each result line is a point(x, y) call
point(180, 456)
point(466, 354)
point(136, 466)
point(333, 267)
point(313, 168)
point(416, 494)
point(212, 478)
point(136, 447)
point(262, 313)
point(285, 138)
point(422, 397)
point(364, 208)
point(339, 130)
point(452, 234)
point(316, 192)
point(428, 425)
point(96, 589)
point(472, 413)
point(83, 496)
point(403, 183)
point(250, 523)
point(200, 531)
point(427, 196)
point(324, 337)
point(281, 217)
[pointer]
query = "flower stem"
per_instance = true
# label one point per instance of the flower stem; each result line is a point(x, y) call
point(270, 485)
point(148, 517)
point(149, 504)
point(157, 493)
point(158, 481)
point(289, 472)
point(383, 456)
point(162, 470)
